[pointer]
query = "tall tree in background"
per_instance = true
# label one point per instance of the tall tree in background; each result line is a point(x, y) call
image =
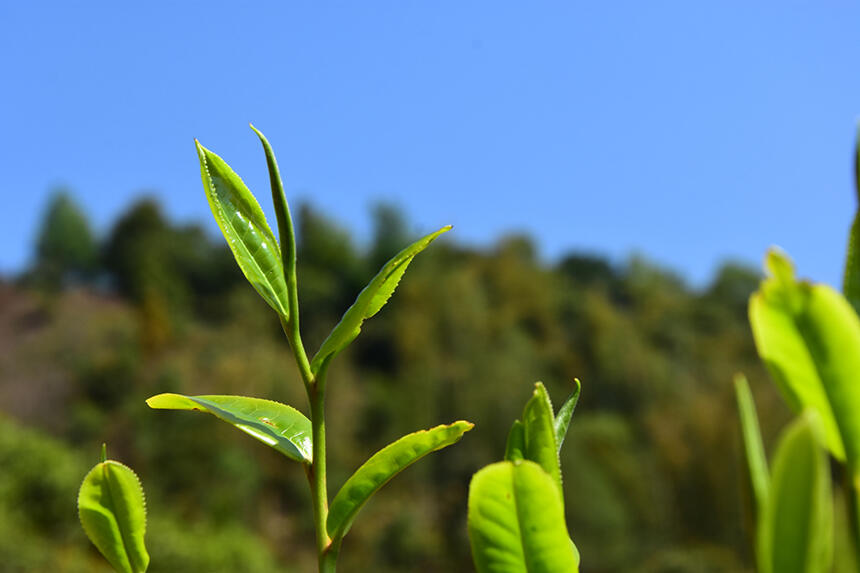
point(66, 251)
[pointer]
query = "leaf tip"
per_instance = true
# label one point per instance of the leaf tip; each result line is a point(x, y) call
point(779, 265)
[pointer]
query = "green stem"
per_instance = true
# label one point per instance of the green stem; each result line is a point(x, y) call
point(314, 385)
point(328, 558)
point(317, 472)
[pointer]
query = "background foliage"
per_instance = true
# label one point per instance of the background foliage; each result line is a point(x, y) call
point(653, 474)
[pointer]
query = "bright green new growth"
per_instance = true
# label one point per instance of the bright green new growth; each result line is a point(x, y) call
point(795, 530)
point(244, 226)
point(851, 278)
point(565, 413)
point(271, 269)
point(516, 521)
point(112, 510)
point(383, 466)
point(277, 425)
point(809, 337)
point(753, 447)
point(370, 301)
point(516, 507)
point(779, 317)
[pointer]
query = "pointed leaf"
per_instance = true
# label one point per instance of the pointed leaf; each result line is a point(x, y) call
point(753, 448)
point(370, 301)
point(780, 318)
point(384, 465)
point(244, 226)
point(851, 277)
point(540, 445)
point(277, 425)
point(565, 413)
point(795, 532)
point(516, 521)
point(282, 211)
point(516, 446)
point(112, 510)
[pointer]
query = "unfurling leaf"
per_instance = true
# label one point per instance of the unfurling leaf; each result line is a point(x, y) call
point(516, 521)
point(795, 530)
point(277, 425)
point(851, 277)
point(244, 226)
point(540, 444)
point(753, 448)
point(384, 465)
point(516, 445)
point(809, 337)
point(370, 301)
point(282, 210)
point(112, 510)
point(565, 413)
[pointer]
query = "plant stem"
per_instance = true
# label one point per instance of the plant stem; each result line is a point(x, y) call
point(317, 471)
point(328, 558)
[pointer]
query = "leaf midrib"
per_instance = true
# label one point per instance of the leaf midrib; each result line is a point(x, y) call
point(122, 534)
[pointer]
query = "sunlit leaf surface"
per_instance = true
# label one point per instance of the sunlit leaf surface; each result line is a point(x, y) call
point(244, 226)
point(795, 531)
point(112, 510)
point(370, 301)
point(384, 465)
point(277, 425)
point(516, 521)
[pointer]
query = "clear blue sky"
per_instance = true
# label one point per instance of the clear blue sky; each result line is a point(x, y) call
point(688, 131)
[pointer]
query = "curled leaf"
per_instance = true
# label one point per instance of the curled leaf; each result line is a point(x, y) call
point(277, 425)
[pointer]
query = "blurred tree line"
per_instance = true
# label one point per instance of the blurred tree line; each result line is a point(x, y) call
point(654, 480)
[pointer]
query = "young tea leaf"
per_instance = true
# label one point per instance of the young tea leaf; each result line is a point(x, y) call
point(539, 425)
point(370, 301)
point(112, 510)
point(753, 448)
point(384, 465)
point(851, 277)
point(565, 413)
point(516, 445)
point(516, 521)
point(282, 210)
point(277, 425)
point(244, 226)
point(780, 318)
point(795, 530)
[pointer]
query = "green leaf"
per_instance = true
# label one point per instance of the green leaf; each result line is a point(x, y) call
point(516, 444)
point(384, 465)
point(112, 510)
point(516, 521)
point(783, 327)
point(753, 448)
point(370, 301)
point(851, 278)
point(244, 226)
point(565, 413)
point(282, 210)
point(795, 531)
point(277, 425)
point(540, 444)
